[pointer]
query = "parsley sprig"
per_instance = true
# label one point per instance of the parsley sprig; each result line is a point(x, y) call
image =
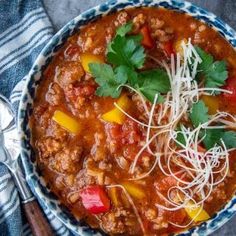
point(199, 115)
point(126, 56)
point(214, 72)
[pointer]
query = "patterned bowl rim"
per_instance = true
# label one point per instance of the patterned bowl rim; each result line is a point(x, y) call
point(33, 178)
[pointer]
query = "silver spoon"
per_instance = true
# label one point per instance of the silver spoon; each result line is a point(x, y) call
point(9, 153)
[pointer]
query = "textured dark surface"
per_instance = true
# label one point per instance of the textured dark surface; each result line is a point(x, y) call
point(62, 11)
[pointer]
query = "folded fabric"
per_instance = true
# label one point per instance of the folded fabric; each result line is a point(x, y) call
point(25, 29)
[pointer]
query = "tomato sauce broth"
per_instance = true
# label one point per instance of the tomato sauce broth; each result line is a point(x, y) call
point(102, 152)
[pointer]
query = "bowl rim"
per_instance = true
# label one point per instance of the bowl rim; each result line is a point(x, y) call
point(205, 228)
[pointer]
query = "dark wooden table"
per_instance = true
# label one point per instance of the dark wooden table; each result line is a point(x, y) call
point(62, 11)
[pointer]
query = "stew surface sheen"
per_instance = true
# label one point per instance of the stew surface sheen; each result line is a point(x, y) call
point(90, 163)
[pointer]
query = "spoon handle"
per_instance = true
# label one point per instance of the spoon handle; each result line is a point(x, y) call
point(35, 217)
point(37, 221)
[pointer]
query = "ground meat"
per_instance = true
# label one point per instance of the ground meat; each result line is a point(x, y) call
point(159, 32)
point(54, 95)
point(42, 116)
point(112, 224)
point(120, 221)
point(68, 73)
point(83, 179)
point(218, 193)
point(160, 223)
point(73, 197)
point(39, 111)
point(105, 165)
point(88, 43)
point(109, 34)
point(80, 102)
point(91, 42)
point(57, 131)
point(71, 53)
point(99, 150)
point(199, 35)
point(122, 18)
point(151, 214)
point(122, 162)
point(139, 21)
point(156, 23)
point(146, 161)
point(79, 94)
point(48, 146)
point(69, 180)
point(67, 160)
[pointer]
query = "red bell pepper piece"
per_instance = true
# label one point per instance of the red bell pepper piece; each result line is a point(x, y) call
point(168, 48)
point(231, 86)
point(147, 40)
point(95, 199)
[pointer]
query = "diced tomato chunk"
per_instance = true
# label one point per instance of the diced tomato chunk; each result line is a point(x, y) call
point(168, 48)
point(73, 92)
point(95, 199)
point(231, 86)
point(128, 133)
point(131, 132)
point(114, 131)
point(126, 137)
point(87, 90)
point(176, 217)
point(165, 183)
point(130, 152)
point(147, 40)
point(71, 51)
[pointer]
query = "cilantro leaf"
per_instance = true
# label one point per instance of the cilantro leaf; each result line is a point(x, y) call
point(107, 79)
point(229, 138)
point(157, 78)
point(215, 73)
point(124, 29)
point(132, 76)
point(126, 50)
point(180, 137)
point(126, 54)
point(211, 137)
point(199, 113)
point(152, 82)
point(207, 59)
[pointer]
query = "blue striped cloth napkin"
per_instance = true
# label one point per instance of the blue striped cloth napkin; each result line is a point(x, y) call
point(25, 29)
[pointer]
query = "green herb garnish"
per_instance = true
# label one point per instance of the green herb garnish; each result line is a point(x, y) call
point(229, 138)
point(108, 79)
point(180, 137)
point(126, 55)
point(211, 137)
point(214, 72)
point(153, 82)
point(199, 115)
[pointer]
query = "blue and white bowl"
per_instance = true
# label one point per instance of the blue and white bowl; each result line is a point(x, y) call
point(34, 179)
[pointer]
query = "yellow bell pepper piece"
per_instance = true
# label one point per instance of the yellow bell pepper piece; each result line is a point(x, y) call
point(196, 213)
point(113, 195)
point(212, 102)
point(67, 122)
point(134, 190)
point(87, 58)
point(178, 46)
point(115, 115)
